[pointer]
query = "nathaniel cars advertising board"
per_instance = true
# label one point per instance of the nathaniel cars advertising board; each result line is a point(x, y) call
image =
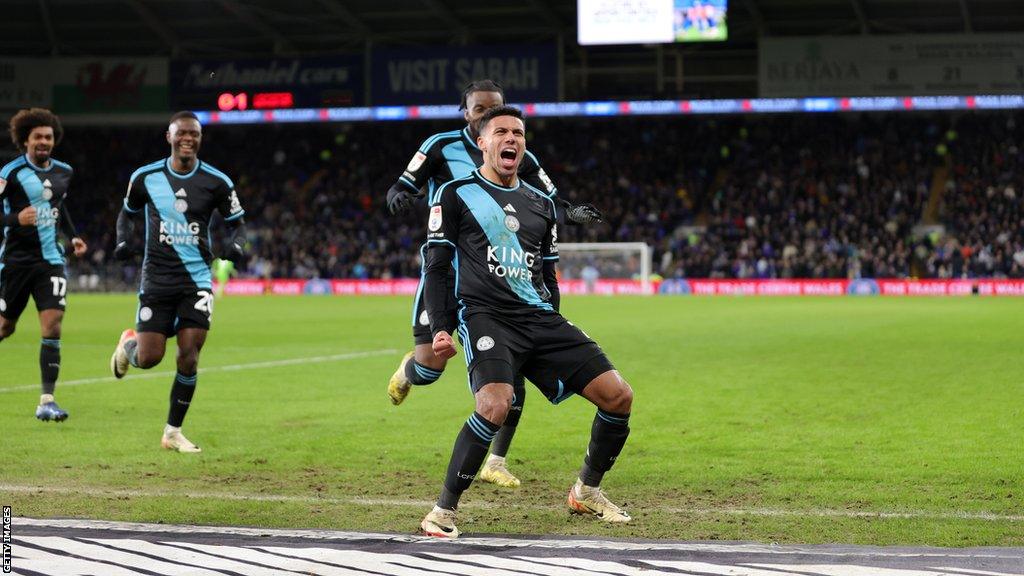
point(311, 82)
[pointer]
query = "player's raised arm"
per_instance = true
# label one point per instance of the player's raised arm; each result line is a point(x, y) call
point(406, 190)
point(532, 173)
point(585, 213)
point(400, 197)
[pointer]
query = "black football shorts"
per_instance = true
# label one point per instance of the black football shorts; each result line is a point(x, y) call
point(559, 358)
point(45, 282)
point(168, 313)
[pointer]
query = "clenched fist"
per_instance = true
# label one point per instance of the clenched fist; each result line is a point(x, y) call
point(27, 217)
point(444, 346)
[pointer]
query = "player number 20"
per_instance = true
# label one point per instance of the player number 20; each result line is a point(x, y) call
point(205, 303)
point(60, 286)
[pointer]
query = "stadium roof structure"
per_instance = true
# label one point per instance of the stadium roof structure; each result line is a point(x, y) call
point(259, 28)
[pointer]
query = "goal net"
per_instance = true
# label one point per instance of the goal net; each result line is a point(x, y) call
point(605, 267)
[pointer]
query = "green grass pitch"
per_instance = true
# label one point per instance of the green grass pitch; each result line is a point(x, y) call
point(856, 420)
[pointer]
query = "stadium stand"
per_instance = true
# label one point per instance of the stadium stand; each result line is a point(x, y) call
point(783, 196)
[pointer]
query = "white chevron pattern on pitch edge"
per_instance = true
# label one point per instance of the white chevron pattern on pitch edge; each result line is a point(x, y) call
point(66, 547)
point(59, 556)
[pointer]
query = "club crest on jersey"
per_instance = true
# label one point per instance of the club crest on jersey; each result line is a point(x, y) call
point(145, 314)
point(424, 319)
point(416, 162)
point(512, 223)
point(485, 343)
point(47, 189)
point(434, 224)
point(179, 201)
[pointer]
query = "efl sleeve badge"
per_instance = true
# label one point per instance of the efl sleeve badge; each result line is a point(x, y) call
point(434, 224)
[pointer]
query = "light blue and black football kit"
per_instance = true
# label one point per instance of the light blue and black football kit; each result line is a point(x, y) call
point(176, 287)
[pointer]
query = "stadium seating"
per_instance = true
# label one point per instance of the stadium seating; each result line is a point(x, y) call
point(785, 196)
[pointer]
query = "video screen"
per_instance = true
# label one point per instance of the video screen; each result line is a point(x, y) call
point(699, 20)
point(650, 21)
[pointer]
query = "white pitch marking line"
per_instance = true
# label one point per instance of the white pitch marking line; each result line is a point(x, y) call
point(219, 496)
point(972, 571)
point(803, 550)
point(767, 512)
point(688, 567)
point(849, 570)
point(228, 368)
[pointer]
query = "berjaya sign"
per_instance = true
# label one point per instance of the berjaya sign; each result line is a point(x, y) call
point(920, 65)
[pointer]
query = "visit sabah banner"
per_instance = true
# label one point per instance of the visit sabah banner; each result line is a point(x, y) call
point(423, 75)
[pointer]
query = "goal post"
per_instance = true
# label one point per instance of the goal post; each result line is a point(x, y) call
point(593, 262)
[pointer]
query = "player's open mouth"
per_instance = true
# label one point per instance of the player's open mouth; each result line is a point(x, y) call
point(508, 156)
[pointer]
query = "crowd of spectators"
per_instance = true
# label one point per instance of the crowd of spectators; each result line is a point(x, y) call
point(812, 197)
point(982, 206)
point(784, 196)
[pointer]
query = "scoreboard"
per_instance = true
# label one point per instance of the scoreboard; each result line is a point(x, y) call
point(256, 101)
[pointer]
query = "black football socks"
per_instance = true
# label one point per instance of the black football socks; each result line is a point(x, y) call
point(468, 454)
point(49, 363)
point(607, 437)
point(420, 375)
point(181, 397)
